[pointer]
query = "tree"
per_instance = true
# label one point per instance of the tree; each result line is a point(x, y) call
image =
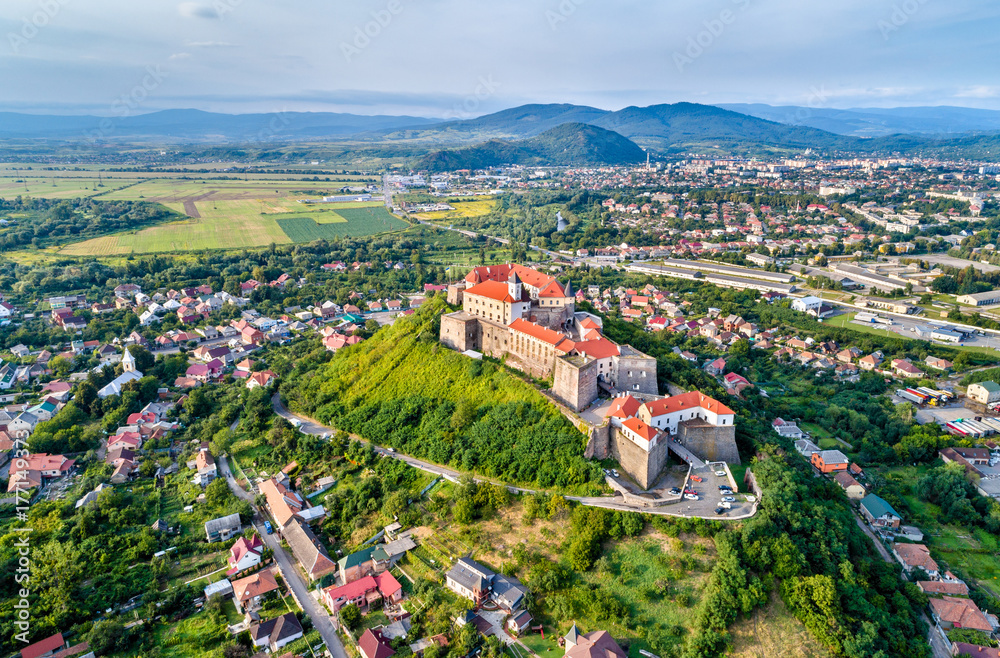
point(350, 616)
point(217, 493)
point(106, 637)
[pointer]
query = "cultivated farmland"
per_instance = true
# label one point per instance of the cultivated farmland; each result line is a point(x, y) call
point(355, 222)
point(239, 224)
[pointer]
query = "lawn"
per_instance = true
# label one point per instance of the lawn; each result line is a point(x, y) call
point(658, 579)
point(774, 632)
point(972, 554)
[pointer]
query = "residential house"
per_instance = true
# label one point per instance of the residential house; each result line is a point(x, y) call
point(206, 467)
point(905, 368)
point(44, 648)
point(37, 470)
point(829, 461)
point(716, 368)
point(596, 644)
point(248, 592)
point(285, 504)
point(372, 644)
point(276, 633)
point(364, 592)
point(854, 489)
point(879, 513)
point(307, 549)
point(916, 556)
point(245, 554)
point(223, 528)
point(788, 429)
point(973, 651)
point(938, 363)
point(472, 580)
point(362, 563)
point(939, 587)
point(261, 379)
point(953, 612)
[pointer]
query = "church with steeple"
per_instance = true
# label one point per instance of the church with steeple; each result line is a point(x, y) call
point(129, 374)
point(529, 319)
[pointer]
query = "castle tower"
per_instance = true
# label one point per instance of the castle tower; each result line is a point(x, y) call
point(128, 362)
point(514, 286)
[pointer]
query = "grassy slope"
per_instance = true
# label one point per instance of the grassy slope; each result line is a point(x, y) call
point(405, 364)
point(396, 363)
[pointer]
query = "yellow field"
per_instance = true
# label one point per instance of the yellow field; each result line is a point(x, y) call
point(462, 209)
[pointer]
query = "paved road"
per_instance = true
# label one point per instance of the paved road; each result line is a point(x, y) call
point(616, 502)
point(312, 608)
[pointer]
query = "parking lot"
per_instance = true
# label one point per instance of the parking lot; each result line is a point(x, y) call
point(941, 415)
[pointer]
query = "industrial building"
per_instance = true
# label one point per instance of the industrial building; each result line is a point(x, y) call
point(721, 280)
point(980, 298)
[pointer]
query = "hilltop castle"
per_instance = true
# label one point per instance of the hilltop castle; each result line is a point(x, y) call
point(530, 319)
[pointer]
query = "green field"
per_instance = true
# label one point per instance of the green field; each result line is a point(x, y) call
point(354, 222)
point(242, 223)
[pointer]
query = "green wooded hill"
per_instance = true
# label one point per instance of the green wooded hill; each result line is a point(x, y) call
point(567, 144)
point(401, 388)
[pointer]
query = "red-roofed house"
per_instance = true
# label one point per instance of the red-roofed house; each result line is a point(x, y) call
point(373, 645)
point(953, 612)
point(364, 592)
point(244, 554)
point(44, 648)
point(261, 379)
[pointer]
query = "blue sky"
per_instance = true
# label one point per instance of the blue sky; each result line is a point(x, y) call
point(464, 58)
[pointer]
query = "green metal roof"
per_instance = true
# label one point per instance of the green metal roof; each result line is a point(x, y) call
point(877, 507)
point(991, 387)
point(354, 559)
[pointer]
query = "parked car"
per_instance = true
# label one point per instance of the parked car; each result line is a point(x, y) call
point(726, 505)
point(691, 491)
point(614, 472)
point(720, 510)
point(267, 527)
point(751, 499)
point(725, 487)
point(688, 496)
point(675, 490)
point(696, 478)
point(721, 474)
point(729, 499)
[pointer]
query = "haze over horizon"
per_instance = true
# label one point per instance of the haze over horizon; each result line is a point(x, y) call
point(110, 57)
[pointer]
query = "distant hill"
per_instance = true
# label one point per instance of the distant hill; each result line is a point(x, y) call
point(198, 126)
point(878, 122)
point(662, 127)
point(566, 144)
point(665, 129)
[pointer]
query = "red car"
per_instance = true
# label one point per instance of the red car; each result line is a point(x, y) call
point(691, 491)
point(696, 478)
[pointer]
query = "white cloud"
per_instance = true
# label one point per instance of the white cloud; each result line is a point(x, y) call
point(979, 91)
point(180, 56)
point(197, 10)
point(210, 44)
